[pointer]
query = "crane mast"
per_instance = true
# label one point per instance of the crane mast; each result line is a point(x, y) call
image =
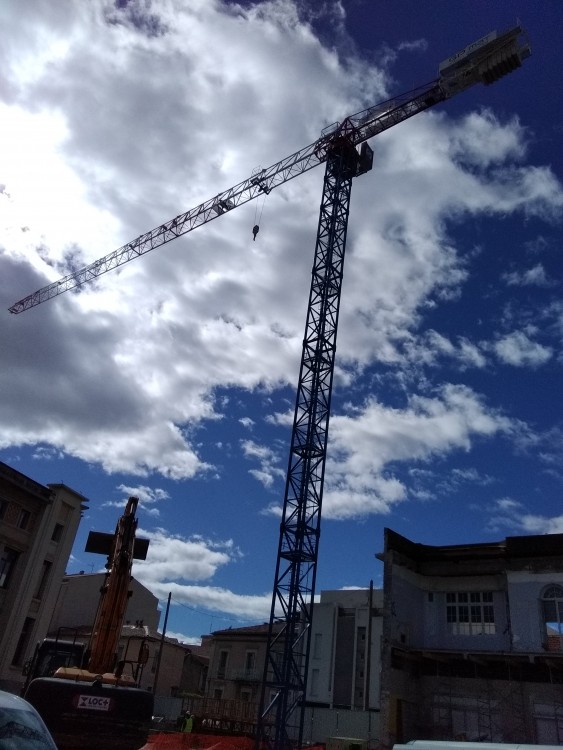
point(280, 720)
point(288, 646)
point(282, 701)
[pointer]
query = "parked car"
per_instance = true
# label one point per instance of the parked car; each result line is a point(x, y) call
point(21, 727)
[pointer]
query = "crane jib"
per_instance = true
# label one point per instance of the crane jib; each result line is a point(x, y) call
point(484, 61)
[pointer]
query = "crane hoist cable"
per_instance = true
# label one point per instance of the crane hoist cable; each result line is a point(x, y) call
point(258, 216)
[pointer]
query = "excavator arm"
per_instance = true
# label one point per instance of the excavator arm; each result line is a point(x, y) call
point(114, 594)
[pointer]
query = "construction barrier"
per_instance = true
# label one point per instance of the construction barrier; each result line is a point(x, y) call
point(191, 741)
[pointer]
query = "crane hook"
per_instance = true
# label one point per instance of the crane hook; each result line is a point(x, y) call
point(255, 230)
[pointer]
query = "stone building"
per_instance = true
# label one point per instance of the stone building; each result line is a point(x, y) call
point(38, 525)
point(236, 663)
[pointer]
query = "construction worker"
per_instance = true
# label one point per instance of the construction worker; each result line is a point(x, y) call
point(188, 724)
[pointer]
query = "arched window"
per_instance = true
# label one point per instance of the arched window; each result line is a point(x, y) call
point(552, 604)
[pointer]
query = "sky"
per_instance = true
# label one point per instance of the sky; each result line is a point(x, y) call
point(173, 377)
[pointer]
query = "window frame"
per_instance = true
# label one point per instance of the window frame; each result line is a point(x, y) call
point(24, 519)
point(57, 534)
point(8, 562)
point(470, 613)
point(552, 594)
point(43, 579)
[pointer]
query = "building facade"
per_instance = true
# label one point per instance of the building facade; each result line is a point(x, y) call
point(38, 525)
point(78, 597)
point(343, 683)
point(236, 663)
point(472, 641)
point(345, 636)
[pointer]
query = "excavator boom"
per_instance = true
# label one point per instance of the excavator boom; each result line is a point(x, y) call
point(114, 594)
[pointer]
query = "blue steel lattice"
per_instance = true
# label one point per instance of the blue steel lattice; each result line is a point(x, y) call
point(283, 689)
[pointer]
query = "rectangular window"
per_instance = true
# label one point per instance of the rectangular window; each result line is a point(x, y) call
point(23, 641)
point(315, 682)
point(57, 532)
point(46, 569)
point(317, 645)
point(250, 662)
point(23, 519)
point(470, 613)
point(222, 668)
point(155, 661)
point(7, 565)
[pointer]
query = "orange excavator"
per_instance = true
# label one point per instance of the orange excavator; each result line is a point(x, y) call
point(98, 704)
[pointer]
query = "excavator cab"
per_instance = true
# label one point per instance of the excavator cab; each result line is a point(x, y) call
point(51, 654)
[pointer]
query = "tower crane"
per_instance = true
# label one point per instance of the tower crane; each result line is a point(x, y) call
point(343, 148)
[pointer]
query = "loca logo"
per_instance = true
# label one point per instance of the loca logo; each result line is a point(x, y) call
point(93, 702)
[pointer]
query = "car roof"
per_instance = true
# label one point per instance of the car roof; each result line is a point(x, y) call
point(9, 700)
point(10, 703)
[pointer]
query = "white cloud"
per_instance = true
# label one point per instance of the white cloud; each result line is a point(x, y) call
point(432, 348)
point(118, 120)
point(519, 350)
point(173, 557)
point(365, 445)
point(512, 515)
point(146, 495)
point(268, 460)
point(417, 45)
point(189, 640)
point(180, 566)
point(216, 599)
point(535, 276)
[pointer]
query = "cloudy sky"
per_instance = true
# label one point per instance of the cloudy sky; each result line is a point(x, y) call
point(173, 378)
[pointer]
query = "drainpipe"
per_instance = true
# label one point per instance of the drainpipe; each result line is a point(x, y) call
point(368, 649)
point(161, 645)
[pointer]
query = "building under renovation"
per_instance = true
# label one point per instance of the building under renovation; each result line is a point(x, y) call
point(472, 644)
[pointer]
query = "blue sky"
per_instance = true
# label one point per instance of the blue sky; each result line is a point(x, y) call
point(174, 377)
